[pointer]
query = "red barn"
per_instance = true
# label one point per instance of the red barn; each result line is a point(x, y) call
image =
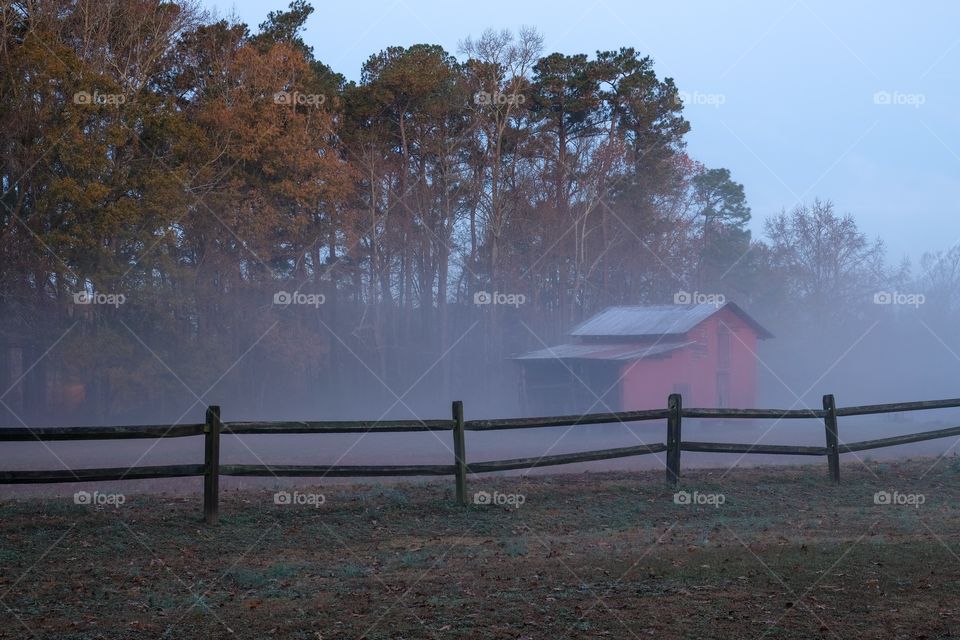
point(634, 357)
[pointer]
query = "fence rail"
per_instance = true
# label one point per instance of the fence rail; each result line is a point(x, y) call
point(212, 428)
point(19, 434)
point(101, 475)
point(358, 426)
point(565, 421)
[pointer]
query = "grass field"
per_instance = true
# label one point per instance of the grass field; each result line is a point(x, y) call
point(772, 552)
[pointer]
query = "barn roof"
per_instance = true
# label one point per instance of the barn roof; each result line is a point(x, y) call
point(601, 351)
point(657, 320)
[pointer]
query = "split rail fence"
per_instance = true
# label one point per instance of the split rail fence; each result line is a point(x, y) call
point(213, 428)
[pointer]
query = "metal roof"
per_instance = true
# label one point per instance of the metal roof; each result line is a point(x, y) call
point(602, 351)
point(657, 320)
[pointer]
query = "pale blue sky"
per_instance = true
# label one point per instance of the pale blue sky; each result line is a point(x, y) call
point(786, 90)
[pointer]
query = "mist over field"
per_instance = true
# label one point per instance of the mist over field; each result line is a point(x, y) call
point(202, 210)
point(212, 215)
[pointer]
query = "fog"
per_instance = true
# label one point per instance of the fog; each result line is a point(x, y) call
point(290, 244)
point(886, 355)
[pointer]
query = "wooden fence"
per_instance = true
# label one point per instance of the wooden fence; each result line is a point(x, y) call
point(212, 429)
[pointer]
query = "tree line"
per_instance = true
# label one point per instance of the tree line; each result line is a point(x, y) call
point(193, 210)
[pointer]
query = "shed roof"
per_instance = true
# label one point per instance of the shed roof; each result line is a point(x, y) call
point(657, 320)
point(604, 351)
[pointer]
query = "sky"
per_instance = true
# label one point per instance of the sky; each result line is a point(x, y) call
point(855, 102)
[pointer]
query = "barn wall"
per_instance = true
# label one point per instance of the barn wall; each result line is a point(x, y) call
point(647, 383)
point(693, 369)
point(744, 364)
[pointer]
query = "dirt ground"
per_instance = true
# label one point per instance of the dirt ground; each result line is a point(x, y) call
point(769, 552)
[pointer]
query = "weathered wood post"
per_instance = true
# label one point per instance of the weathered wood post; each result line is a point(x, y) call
point(833, 440)
point(459, 452)
point(211, 464)
point(675, 405)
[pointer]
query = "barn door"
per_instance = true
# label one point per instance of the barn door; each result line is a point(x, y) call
point(723, 366)
point(723, 389)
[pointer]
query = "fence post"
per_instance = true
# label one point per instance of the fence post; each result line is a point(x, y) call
point(675, 405)
point(833, 440)
point(459, 452)
point(211, 463)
